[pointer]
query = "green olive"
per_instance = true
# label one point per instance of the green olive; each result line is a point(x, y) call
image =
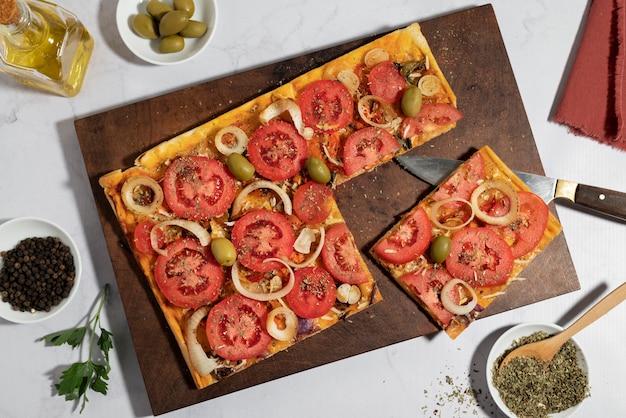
point(145, 26)
point(173, 22)
point(157, 9)
point(194, 29)
point(185, 5)
point(172, 43)
point(318, 170)
point(240, 167)
point(223, 251)
point(440, 248)
point(411, 101)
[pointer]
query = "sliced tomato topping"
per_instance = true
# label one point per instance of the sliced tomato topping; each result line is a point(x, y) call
point(277, 151)
point(526, 231)
point(198, 188)
point(464, 180)
point(340, 256)
point(427, 285)
point(326, 105)
point(409, 241)
point(480, 257)
point(236, 328)
point(262, 234)
point(386, 82)
point(366, 147)
point(141, 237)
point(312, 202)
point(313, 293)
point(431, 117)
point(188, 276)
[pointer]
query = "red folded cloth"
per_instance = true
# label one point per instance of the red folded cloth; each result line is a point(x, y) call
point(594, 97)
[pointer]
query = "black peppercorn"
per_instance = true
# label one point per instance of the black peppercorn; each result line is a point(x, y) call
point(37, 274)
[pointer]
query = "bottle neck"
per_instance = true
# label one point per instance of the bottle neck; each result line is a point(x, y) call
point(21, 21)
point(27, 31)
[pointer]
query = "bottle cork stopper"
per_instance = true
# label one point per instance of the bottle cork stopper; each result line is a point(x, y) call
point(9, 12)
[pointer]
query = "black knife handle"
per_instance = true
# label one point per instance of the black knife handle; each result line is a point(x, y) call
point(602, 200)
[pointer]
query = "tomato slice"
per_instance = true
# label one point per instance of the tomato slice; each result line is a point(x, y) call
point(312, 202)
point(386, 82)
point(431, 117)
point(480, 257)
point(141, 237)
point(236, 328)
point(277, 151)
point(463, 181)
point(366, 147)
point(340, 256)
point(326, 105)
point(427, 285)
point(188, 276)
point(313, 293)
point(262, 234)
point(526, 231)
point(198, 188)
point(409, 241)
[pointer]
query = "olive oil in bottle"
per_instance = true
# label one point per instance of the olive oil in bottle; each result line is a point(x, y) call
point(44, 46)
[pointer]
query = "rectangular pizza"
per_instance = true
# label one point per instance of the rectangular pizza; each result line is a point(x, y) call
point(235, 224)
point(461, 246)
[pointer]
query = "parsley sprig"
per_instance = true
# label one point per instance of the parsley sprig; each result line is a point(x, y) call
point(92, 373)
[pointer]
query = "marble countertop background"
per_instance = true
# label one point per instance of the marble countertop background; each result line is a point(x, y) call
point(42, 174)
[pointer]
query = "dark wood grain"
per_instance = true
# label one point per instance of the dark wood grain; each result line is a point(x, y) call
point(469, 48)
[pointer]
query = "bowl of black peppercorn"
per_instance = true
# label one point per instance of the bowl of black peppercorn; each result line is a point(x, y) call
point(40, 269)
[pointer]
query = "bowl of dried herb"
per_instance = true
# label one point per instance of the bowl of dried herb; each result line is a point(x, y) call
point(40, 268)
point(527, 387)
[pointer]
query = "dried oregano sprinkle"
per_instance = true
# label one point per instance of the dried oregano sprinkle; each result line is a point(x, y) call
point(530, 389)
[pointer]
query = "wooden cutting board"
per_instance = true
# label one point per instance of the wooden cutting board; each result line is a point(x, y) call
point(469, 48)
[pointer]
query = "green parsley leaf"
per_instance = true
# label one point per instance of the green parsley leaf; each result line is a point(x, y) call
point(91, 374)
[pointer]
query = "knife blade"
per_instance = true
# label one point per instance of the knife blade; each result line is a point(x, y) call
point(608, 202)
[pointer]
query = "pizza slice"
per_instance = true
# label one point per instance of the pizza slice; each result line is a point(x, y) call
point(460, 247)
point(235, 224)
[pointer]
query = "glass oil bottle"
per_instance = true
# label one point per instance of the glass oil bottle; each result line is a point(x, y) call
point(44, 46)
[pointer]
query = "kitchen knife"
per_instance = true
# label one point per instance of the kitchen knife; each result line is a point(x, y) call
point(608, 202)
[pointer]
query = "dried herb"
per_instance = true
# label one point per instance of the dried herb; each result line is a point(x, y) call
point(530, 389)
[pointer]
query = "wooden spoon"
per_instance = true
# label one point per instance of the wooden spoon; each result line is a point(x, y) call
point(545, 350)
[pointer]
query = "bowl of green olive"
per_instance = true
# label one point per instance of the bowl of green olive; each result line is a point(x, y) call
point(166, 32)
point(527, 387)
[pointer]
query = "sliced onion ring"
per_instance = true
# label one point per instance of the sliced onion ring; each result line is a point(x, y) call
point(262, 184)
point(450, 305)
point(239, 146)
point(128, 192)
point(261, 296)
point(291, 324)
point(313, 256)
point(330, 157)
point(350, 80)
point(366, 102)
point(375, 56)
point(429, 85)
point(203, 364)
point(282, 105)
point(195, 228)
point(434, 210)
point(504, 187)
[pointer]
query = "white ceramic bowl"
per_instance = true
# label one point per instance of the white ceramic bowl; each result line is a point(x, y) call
point(147, 50)
point(505, 342)
point(14, 231)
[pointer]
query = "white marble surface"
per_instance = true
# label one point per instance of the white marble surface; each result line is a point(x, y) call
point(42, 174)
